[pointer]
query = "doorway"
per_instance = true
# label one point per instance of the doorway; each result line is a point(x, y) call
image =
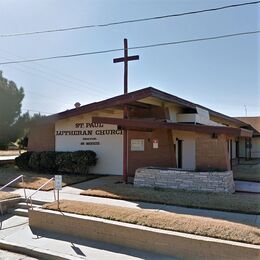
point(179, 153)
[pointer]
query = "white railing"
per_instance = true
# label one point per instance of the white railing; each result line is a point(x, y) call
point(14, 180)
point(9, 183)
point(47, 182)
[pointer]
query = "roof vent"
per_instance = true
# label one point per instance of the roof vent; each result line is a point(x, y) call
point(77, 105)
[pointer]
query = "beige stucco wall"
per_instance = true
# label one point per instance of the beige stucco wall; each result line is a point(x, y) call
point(173, 112)
point(188, 148)
point(108, 147)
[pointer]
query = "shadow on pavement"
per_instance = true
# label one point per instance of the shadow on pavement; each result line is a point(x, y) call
point(75, 242)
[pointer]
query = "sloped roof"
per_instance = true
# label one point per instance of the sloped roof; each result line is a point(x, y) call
point(254, 121)
point(131, 97)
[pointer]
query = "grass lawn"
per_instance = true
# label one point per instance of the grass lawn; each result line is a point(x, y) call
point(7, 195)
point(237, 202)
point(248, 171)
point(170, 221)
point(33, 180)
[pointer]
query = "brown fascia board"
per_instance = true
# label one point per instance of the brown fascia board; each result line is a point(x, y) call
point(135, 96)
point(148, 124)
point(171, 98)
point(108, 103)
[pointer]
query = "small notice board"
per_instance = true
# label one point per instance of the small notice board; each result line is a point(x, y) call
point(58, 182)
point(137, 144)
point(155, 144)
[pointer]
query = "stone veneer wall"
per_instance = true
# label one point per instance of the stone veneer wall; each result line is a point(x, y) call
point(186, 180)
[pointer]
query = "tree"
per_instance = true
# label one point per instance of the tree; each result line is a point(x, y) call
point(10, 108)
point(20, 129)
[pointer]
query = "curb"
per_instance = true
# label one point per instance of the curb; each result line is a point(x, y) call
point(35, 252)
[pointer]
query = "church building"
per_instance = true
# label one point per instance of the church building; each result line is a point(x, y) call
point(162, 131)
point(250, 148)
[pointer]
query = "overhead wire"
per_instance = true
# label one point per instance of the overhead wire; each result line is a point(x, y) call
point(89, 90)
point(128, 21)
point(82, 86)
point(132, 48)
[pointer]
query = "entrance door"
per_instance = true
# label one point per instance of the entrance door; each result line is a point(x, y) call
point(179, 161)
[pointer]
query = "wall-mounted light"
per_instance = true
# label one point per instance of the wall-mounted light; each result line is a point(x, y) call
point(214, 136)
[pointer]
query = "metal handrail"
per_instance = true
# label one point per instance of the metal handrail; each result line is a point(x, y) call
point(11, 182)
point(30, 197)
point(14, 180)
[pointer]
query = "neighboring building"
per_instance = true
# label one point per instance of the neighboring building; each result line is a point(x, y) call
point(163, 130)
point(251, 149)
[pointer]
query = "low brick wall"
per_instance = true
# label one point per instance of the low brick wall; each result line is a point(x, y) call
point(176, 244)
point(186, 180)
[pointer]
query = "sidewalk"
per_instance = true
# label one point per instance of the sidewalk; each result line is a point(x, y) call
point(16, 229)
point(73, 193)
point(7, 159)
point(247, 186)
point(9, 255)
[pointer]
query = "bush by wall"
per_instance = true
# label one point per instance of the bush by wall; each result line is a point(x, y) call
point(23, 160)
point(65, 162)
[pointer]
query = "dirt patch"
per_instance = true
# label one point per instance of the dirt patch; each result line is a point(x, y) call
point(8, 195)
point(237, 202)
point(34, 180)
point(169, 221)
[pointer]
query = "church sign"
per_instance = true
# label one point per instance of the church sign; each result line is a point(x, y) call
point(89, 130)
point(81, 134)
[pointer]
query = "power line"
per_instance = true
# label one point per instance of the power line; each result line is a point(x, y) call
point(55, 80)
point(131, 48)
point(63, 76)
point(129, 21)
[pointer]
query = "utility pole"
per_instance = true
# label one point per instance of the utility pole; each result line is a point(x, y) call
point(125, 59)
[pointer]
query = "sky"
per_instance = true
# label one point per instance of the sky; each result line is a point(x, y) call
point(220, 74)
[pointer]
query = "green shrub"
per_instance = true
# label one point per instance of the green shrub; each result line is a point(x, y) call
point(3, 145)
point(82, 160)
point(48, 161)
point(65, 162)
point(34, 161)
point(23, 160)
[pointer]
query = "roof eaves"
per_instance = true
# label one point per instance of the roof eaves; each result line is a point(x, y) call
point(107, 103)
point(169, 97)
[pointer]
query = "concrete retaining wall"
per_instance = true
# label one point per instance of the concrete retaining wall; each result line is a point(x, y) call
point(171, 243)
point(186, 180)
point(8, 204)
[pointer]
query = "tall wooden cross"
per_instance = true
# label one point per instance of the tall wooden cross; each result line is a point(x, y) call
point(125, 59)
